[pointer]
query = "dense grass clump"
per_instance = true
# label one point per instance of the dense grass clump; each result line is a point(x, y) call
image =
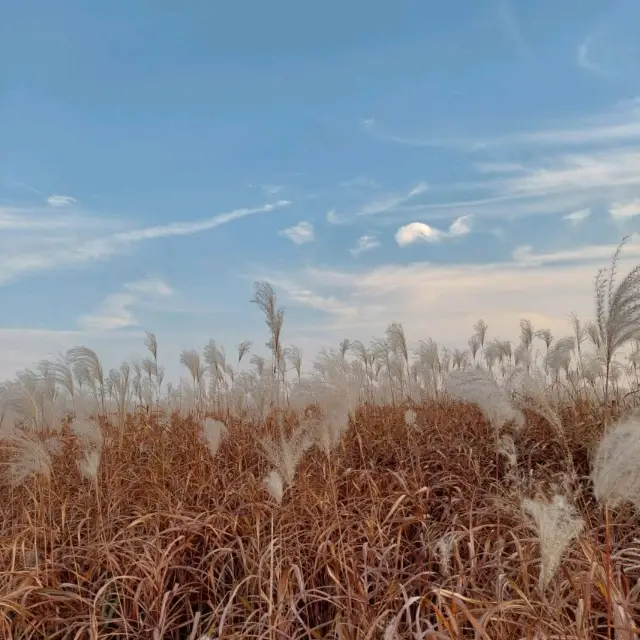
point(405, 531)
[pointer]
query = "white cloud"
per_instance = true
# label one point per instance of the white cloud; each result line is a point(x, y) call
point(545, 288)
point(333, 218)
point(365, 243)
point(115, 311)
point(61, 201)
point(300, 233)
point(416, 231)
point(460, 226)
point(625, 210)
point(577, 216)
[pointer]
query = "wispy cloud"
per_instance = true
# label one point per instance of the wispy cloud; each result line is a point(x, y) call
point(71, 250)
point(621, 211)
point(115, 311)
point(300, 233)
point(306, 298)
point(622, 123)
point(577, 217)
point(509, 23)
point(389, 202)
point(191, 228)
point(584, 60)
point(61, 201)
point(365, 243)
point(272, 189)
point(333, 218)
point(419, 231)
point(525, 255)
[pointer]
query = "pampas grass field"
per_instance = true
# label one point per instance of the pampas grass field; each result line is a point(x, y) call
point(392, 493)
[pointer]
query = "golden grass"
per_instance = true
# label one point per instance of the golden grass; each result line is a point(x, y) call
point(170, 543)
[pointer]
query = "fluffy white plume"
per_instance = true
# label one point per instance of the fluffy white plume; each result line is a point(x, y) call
point(616, 465)
point(275, 486)
point(557, 523)
point(213, 432)
point(476, 386)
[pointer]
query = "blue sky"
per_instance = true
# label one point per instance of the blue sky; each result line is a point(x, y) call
point(428, 163)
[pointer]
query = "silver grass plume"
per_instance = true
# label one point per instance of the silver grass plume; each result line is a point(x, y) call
point(91, 441)
point(615, 471)
point(557, 523)
point(213, 432)
point(30, 457)
point(275, 487)
point(444, 550)
point(507, 448)
point(285, 453)
point(617, 311)
point(88, 370)
point(410, 417)
point(477, 387)
point(558, 357)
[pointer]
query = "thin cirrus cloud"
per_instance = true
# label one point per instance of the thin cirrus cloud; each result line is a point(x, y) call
point(300, 233)
point(365, 243)
point(116, 310)
point(421, 232)
point(391, 201)
point(74, 251)
point(615, 125)
point(61, 201)
point(381, 204)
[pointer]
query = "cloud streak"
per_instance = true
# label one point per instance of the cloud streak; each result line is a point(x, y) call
point(617, 125)
point(61, 201)
point(73, 251)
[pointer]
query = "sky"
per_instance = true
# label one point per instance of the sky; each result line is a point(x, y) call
point(415, 162)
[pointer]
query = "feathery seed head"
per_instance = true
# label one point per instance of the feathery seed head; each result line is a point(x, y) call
point(477, 387)
point(275, 486)
point(507, 448)
point(31, 458)
point(557, 523)
point(89, 464)
point(88, 433)
point(616, 465)
point(213, 432)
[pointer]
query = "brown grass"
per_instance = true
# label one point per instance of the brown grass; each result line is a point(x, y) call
point(174, 544)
